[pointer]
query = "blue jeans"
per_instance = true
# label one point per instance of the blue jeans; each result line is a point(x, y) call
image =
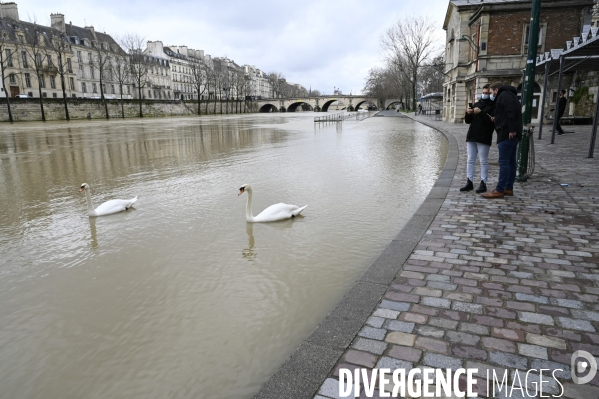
point(507, 164)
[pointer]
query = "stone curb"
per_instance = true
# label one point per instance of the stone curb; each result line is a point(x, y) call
point(302, 374)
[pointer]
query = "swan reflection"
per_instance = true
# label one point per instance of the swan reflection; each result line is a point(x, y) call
point(92, 226)
point(249, 253)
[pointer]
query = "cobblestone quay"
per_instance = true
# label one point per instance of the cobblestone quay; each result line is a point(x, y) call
point(498, 284)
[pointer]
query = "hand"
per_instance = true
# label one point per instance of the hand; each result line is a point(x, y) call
point(492, 118)
point(476, 110)
point(512, 135)
point(469, 110)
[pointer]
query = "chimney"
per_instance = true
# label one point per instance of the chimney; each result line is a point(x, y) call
point(9, 10)
point(57, 22)
point(91, 29)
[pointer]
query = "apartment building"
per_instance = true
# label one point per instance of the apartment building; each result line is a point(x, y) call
point(38, 60)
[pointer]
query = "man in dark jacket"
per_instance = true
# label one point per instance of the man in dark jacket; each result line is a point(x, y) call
point(479, 139)
point(561, 108)
point(508, 125)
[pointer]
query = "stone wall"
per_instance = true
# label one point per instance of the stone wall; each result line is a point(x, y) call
point(29, 109)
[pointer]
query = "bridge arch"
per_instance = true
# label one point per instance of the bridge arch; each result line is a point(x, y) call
point(393, 103)
point(268, 108)
point(293, 107)
point(325, 106)
point(358, 105)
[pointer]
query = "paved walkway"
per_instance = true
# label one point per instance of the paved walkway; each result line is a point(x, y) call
point(500, 284)
point(510, 283)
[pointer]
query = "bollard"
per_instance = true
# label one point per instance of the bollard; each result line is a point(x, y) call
point(523, 148)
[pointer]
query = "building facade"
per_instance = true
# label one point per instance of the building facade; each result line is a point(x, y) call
point(40, 60)
point(487, 41)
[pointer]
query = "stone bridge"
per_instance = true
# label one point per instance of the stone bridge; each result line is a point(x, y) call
point(317, 104)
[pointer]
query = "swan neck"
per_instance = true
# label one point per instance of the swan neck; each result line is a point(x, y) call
point(248, 208)
point(90, 205)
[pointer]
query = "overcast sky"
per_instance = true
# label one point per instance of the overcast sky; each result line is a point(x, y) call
point(320, 44)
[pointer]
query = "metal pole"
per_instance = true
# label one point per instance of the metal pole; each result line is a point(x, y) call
point(528, 89)
point(547, 64)
point(562, 62)
point(594, 135)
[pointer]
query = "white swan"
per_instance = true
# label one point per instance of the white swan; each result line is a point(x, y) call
point(272, 213)
point(112, 206)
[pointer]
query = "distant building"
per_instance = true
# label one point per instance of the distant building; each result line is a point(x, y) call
point(159, 73)
point(487, 41)
point(41, 58)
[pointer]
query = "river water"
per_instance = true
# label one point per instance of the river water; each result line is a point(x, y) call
point(180, 297)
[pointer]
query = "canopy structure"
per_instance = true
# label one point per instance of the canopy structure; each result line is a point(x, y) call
point(432, 104)
point(581, 54)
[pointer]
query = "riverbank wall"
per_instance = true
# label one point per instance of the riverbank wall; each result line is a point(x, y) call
point(24, 110)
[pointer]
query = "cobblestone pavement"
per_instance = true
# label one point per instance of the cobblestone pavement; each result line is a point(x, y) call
point(509, 283)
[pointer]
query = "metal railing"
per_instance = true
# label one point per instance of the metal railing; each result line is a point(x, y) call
point(342, 116)
point(329, 118)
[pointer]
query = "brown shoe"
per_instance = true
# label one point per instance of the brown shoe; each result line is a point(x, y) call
point(493, 194)
point(509, 193)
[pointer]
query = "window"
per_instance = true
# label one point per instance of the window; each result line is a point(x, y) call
point(12, 78)
point(91, 72)
point(54, 95)
point(103, 88)
point(128, 89)
point(21, 39)
point(84, 87)
point(112, 89)
point(42, 81)
point(89, 57)
point(44, 94)
point(69, 65)
point(52, 81)
point(38, 59)
point(50, 62)
point(27, 80)
point(72, 83)
point(541, 44)
point(8, 58)
point(94, 88)
point(79, 58)
point(24, 58)
point(149, 93)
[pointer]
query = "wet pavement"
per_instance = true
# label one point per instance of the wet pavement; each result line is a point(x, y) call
point(500, 284)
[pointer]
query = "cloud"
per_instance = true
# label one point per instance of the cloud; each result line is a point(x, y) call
point(322, 44)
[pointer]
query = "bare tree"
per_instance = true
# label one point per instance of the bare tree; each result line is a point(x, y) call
point(199, 78)
point(275, 79)
point(6, 61)
point(431, 77)
point(138, 63)
point(102, 62)
point(240, 88)
point(314, 93)
point(33, 54)
point(64, 67)
point(409, 44)
point(121, 73)
point(210, 86)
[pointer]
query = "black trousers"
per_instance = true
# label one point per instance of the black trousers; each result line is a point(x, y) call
point(558, 127)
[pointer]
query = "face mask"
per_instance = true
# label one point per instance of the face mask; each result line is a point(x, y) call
point(492, 97)
point(485, 96)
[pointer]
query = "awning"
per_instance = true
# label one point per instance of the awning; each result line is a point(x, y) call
point(581, 54)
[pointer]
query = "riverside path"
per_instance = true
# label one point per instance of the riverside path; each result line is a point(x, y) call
point(499, 284)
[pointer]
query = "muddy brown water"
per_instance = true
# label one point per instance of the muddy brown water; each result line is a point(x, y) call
point(180, 297)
